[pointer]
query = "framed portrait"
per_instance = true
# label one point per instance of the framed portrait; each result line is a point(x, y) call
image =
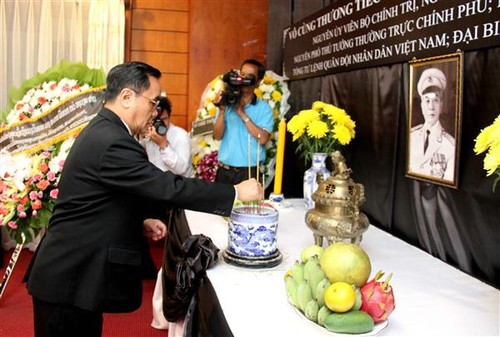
point(434, 122)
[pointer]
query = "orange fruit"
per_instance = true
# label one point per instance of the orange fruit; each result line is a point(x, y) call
point(340, 297)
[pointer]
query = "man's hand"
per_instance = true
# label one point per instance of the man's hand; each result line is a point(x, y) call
point(154, 229)
point(160, 140)
point(250, 190)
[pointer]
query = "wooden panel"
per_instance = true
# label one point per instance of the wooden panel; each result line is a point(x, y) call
point(180, 121)
point(179, 5)
point(241, 27)
point(160, 20)
point(147, 40)
point(178, 104)
point(166, 62)
point(218, 36)
point(174, 83)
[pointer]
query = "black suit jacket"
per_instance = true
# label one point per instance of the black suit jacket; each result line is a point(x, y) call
point(91, 254)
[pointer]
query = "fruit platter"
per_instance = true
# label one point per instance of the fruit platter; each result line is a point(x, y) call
point(330, 287)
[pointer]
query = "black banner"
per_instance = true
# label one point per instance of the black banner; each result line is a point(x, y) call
point(353, 34)
point(69, 116)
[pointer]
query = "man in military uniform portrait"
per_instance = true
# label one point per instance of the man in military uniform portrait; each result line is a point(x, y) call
point(432, 149)
point(432, 156)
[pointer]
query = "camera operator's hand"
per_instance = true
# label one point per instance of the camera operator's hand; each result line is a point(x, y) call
point(241, 112)
point(160, 140)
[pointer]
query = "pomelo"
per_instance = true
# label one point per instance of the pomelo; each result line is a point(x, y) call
point(346, 262)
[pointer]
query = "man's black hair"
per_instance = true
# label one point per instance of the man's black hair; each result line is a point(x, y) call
point(133, 75)
point(261, 69)
point(164, 104)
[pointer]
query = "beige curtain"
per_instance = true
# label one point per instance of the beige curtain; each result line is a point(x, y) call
point(106, 34)
point(3, 56)
point(38, 34)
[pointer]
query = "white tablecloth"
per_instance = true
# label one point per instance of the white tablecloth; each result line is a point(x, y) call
point(432, 298)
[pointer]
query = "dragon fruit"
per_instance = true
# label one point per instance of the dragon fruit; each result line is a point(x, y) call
point(377, 298)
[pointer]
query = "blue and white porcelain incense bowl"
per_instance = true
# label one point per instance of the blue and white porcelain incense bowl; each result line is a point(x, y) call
point(252, 231)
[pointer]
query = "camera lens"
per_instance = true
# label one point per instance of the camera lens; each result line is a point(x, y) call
point(160, 127)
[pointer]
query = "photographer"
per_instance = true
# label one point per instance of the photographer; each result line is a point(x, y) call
point(167, 145)
point(243, 122)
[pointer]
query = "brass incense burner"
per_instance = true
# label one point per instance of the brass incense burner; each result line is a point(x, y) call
point(336, 214)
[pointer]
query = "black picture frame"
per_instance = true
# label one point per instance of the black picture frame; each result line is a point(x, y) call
point(433, 149)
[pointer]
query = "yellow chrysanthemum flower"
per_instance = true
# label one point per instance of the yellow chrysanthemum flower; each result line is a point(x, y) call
point(258, 92)
point(297, 135)
point(342, 134)
point(196, 159)
point(489, 139)
point(482, 140)
point(492, 160)
point(318, 105)
point(330, 110)
point(338, 116)
point(203, 143)
point(268, 79)
point(276, 96)
point(296, 124)
point(317, 129)
point(323, 128)
point(309, 115)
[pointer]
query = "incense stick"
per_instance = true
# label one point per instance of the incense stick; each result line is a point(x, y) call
point(249, 159)
point(258, 168)
point(258, 156)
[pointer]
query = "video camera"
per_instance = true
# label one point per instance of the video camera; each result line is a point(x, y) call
point(233, 82)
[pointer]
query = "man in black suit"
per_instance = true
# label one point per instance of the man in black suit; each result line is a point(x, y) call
point(89, 260)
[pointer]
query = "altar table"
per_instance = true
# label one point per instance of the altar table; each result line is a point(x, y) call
point(432, 297)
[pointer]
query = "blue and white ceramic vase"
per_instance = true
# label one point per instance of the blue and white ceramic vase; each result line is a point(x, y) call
point(310, 177)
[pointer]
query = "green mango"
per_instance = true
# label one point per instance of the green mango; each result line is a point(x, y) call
point(354, 321)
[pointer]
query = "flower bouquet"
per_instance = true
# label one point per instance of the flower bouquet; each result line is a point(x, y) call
point(28, 189)
point(321, 129)
point(489, 140)
point(273, 90)
point(29, 178)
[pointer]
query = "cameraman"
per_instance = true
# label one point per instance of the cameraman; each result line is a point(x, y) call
point(167, 145)
point(242, 118)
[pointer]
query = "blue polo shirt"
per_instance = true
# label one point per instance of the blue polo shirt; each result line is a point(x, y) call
point(233, 149)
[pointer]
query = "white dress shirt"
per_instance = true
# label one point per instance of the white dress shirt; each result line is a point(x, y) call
point(176, 157)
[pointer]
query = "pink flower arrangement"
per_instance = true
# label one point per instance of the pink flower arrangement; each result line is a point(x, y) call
point(29, 189)
point(206, 168)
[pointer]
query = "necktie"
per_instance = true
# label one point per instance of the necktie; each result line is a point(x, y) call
point(426, 142)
